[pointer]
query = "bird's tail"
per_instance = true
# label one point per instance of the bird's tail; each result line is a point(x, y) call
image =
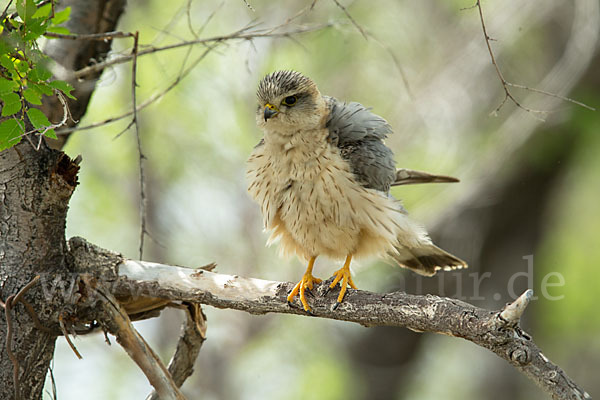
point(409, 177)
point(426, 259)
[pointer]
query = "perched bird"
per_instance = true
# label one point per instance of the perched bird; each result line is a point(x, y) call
point(322, 175)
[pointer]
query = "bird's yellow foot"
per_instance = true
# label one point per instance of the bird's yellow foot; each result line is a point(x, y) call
point(343, 275)
point(307, 282)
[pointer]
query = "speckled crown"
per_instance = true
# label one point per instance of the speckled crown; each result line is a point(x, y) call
point(281, 83)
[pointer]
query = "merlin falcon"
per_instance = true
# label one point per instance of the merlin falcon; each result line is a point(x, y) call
point(322, 176)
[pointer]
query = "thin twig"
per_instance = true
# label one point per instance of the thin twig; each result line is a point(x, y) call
point(386, 47)
point(249, 5)
point(104, 36)
point(152, 99)
point(4, 13)
point(356, 24)
point(63, 328)
point(242, 34)
point(141, 156)
point(505, 84)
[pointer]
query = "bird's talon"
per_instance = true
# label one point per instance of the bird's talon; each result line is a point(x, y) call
point(336, 305)
point(306, 283)
point(343, 275)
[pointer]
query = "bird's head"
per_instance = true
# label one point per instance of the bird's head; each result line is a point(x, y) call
point(289, 102)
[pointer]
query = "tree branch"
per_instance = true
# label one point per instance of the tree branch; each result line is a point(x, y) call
point(489, 329)
point(137, 348)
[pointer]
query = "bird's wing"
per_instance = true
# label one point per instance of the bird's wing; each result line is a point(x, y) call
point(359, 134)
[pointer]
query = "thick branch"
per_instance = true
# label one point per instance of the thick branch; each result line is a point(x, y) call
point(420, 313)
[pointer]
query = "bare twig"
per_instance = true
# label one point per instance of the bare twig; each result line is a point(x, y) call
point(505, 84)
point(91, 36)
point(193, 335)
point(367, 35)
point(67, 338)
point(420, 313)
point(249, 5)
point(245, 33)
point(141, 156)
point(512, 312)
point(352, 20)
point(4, 13)
point(136, 347)
point(210, 44)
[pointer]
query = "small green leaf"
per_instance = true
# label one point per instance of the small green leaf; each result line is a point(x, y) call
point(40, 121)
point(5, 46)
point(26, 9)
point(33, 96)
point(51, 134)
point(12, 104)
point(39, 73)
point(64, 87)
point(37, 27)
point(22, 67)
point(10, 133)
point(61, 16)
point(43, 11)
point(43, 88)
point(7, 63)
point(7, 86)
point(59, 29)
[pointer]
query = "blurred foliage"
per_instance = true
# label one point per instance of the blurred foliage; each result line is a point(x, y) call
point(198, 136)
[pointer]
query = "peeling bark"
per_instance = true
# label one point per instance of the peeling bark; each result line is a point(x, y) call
point(419, 313)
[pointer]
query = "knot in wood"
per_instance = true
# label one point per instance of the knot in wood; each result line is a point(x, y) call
point(520, 355)
point(552, 376)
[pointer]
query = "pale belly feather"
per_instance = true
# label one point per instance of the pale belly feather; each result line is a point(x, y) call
point(315, 206)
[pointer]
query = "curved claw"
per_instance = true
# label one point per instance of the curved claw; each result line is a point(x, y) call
point(307, 283)
point(343, 275)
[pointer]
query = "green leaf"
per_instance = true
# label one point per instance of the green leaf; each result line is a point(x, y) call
point(7, 86)
point(40, 121)
point(26, 9)
point(21, 66)
point(51, 134)
point(59, 29)
point(5, 46)
point(43, 11)
point(33, 96)
point(37, 27)
point(43, 88)
point(12, 104)
point(61, 16)
point(10, 133)
point(39, 74)
point(64, 87)
point(7, 63)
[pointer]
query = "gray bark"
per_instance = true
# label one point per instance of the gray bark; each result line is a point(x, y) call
point(35, 188)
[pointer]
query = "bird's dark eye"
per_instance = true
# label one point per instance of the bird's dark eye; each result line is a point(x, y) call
point(289, 101)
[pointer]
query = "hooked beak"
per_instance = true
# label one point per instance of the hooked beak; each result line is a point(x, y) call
point(270, 110)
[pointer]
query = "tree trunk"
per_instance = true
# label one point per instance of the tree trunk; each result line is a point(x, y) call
point(35, 187)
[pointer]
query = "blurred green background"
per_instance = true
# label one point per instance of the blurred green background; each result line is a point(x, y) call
point(529, 191)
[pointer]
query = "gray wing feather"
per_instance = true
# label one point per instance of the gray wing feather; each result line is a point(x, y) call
point(359, 134)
